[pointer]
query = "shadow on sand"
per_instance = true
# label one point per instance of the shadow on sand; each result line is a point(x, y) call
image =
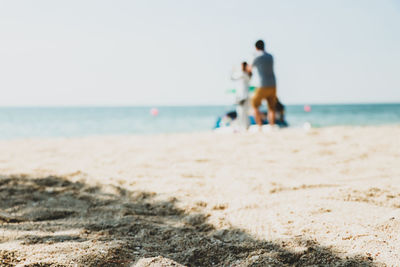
point(137, 225)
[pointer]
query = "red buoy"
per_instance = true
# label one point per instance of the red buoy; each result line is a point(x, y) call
point(307, 108)
point(154, 112)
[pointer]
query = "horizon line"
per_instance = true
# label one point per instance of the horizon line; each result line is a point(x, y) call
point(188, 105)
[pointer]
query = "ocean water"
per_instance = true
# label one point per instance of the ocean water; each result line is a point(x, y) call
point(27, 122)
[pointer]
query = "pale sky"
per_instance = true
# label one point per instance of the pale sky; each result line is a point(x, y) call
point(170, 52)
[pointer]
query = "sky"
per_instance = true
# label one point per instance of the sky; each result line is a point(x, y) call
point(182, 52)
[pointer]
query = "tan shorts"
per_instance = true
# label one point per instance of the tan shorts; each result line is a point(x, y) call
point(267, 93)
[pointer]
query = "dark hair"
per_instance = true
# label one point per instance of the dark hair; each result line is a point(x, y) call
point(244, 65)
point(244, 68)
point(260, 45)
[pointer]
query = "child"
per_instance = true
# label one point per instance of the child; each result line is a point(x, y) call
point(242, 97)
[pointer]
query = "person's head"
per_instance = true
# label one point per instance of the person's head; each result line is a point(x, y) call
point(245, 68)
point(260, 46)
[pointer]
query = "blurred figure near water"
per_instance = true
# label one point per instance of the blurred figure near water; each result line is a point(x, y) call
point(264, 63)
point(279, 112)
point(242, 97)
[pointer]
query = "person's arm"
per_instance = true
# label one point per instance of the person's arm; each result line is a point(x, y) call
point(252, 65)
point(249, 68)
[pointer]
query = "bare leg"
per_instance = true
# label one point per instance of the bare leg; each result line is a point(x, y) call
point(271, 117)
point(257, 116)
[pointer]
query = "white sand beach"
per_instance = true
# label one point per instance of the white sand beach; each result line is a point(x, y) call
point(328, 196)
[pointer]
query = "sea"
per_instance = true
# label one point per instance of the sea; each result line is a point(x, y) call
point(43, 122)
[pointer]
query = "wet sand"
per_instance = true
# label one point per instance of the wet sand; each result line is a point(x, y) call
point(288, 198)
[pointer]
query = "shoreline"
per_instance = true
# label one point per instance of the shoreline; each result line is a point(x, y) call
point(210, 131)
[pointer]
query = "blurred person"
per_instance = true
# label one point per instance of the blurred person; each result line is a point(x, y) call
point(279, 112)
point(264, 63)
point(242, 97)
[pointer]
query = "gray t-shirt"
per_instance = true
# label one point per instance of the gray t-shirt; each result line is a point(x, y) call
point(265, 67)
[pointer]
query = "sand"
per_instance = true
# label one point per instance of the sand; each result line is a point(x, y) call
point(324, 197)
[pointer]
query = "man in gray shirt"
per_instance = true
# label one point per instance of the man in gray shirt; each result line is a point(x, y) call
point(264, 63)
